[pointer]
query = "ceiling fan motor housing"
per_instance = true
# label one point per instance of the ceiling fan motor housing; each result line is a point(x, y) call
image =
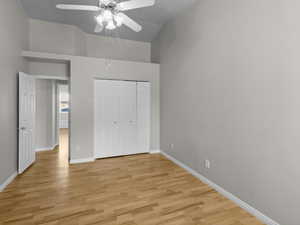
point(109, 14)
point(110, 5)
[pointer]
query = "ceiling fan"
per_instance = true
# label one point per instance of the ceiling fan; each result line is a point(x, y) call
point(111, 13)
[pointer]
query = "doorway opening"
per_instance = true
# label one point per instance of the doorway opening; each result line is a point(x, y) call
point(63, 119)
point(52, 117)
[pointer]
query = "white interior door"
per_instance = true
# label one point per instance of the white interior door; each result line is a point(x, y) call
point(27, 100)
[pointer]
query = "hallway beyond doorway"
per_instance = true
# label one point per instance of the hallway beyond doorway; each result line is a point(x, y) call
point(63, 148)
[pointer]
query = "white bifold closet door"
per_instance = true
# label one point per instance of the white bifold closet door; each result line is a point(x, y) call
point(122, 118)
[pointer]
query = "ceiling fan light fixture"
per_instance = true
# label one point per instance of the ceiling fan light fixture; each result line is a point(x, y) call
point(111, 13)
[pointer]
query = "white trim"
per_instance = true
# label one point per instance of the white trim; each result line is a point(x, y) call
point(77, 161)
point(155, 151)
point(51, 148)
point(48, 56)
point(44, 77)
point(8, 181)
point(265, 219)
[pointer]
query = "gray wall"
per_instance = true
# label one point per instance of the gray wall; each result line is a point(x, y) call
point(230, 93)
point(51, 37)
point(49, 68)
point(45, 114)
point(69, 40)
point(13, 38)
point(113, 48)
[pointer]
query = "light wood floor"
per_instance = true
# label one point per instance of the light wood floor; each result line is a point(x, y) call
point(133, 190)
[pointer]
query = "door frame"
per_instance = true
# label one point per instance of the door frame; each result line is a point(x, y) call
point(116, 79)
point(45, 77)
point(56, 78)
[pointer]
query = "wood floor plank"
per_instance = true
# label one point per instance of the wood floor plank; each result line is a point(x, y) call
point(132, 190)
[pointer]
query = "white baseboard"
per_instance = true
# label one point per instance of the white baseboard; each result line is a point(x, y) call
point(77, 161)
point(46, 148)
point(265, 219)
point(8, 181)
point(155, 151)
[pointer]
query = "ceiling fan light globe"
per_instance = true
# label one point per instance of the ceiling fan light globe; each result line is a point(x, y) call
point(119, 20)
point(107, 15)
point(100, 19)
point(110, 26)
point(119, 24)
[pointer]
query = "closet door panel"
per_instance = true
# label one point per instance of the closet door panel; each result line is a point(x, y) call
point(128, 117)
point(144, 115)
point(107, 108)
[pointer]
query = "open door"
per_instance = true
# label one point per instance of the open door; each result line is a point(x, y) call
point(27, 100)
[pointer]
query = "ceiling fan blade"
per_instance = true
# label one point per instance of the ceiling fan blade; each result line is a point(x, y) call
point(98, 28)
point(135, 4)
point(78, 7)
point(130, 23)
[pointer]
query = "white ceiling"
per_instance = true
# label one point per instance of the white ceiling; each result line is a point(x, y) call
point(151, 18)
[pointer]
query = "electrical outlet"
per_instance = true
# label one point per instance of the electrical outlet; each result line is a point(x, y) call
point(207, 164)
point(171, 146)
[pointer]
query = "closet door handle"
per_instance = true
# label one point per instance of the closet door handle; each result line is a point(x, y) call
point(115, 122)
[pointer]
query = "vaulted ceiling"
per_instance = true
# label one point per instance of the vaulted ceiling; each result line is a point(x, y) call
point(151, 18)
